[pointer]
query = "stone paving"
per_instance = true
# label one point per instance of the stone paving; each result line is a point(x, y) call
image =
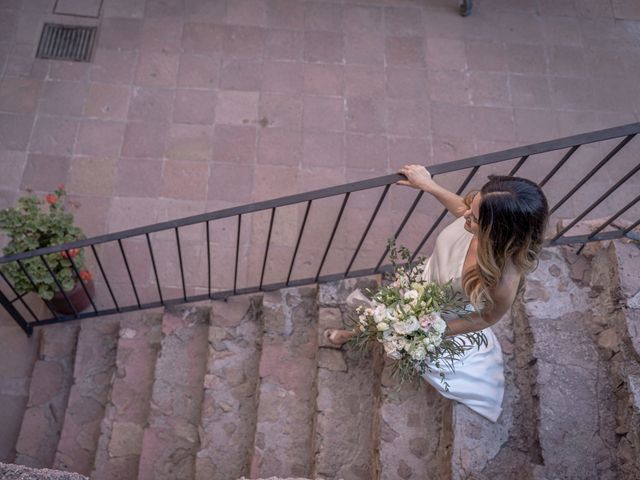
point(196, 105)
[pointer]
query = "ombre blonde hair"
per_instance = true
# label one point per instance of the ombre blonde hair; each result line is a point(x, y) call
point(512, 219)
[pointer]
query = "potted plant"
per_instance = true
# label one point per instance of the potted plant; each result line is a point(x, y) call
point(29, 226)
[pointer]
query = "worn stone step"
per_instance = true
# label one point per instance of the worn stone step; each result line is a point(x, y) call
point(20, 472)
point(171, 440)
point(576, 417)
point(94, 366)
point(615, 277)
point(48, 394)
point(228, 422)
point(508, 448)
point(127, 410)
point(413, 441)
point(348, 389)
point(284, 430)
point(17, 360)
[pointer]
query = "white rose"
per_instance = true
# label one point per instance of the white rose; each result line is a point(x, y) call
point(390, 313)
point(411, 295)
point(402, 343)
point(432, 320)
point(379, 313)
point(407, 326)
point(389, 347)
point(440, 326)
point(382, 326)
point(419, 353)
point(418, 287)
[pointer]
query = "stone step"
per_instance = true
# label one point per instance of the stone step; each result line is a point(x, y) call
point(284, 430)
point(17, 360)
point(20, 472)
point(49, 388)
point(615, 276)
point(228, 422)
point(508, 448)
point(126, 413)
point(348, 388)
point(413, 443)
point(94, 366)
point(576, 417)
point(171, 440)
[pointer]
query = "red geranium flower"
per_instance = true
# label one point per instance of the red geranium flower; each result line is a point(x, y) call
point(72, 253)
point(85, 275)
point(51, 198)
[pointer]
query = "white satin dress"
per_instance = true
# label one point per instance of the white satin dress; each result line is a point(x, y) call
point(478, 380)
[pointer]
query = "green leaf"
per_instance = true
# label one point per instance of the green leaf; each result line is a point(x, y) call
point(45, 292)
point(68, 284)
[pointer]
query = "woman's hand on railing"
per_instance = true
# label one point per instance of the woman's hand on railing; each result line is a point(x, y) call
point(417, 177)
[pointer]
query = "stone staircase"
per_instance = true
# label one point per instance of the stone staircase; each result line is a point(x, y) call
point(249, 388)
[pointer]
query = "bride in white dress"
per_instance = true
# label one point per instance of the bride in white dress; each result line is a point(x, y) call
point(495, 239)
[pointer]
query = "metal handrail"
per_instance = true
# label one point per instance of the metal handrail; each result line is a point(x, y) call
point(523, 155)
point(439, 169)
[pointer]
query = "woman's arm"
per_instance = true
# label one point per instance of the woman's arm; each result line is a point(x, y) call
point(503, 297)
point(419, 177)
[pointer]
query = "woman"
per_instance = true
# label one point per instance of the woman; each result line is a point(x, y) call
point(494, 241)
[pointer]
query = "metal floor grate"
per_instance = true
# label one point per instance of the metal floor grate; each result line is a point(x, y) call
point(66, 42)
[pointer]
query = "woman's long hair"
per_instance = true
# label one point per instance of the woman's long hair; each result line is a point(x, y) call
point(511, 223)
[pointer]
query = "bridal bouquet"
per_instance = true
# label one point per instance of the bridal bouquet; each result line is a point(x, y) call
point(406, 316)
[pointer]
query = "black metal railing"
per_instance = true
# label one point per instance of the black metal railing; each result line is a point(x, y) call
point(29, 311)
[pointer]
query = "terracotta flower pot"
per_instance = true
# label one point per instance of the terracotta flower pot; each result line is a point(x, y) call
point(77, 297)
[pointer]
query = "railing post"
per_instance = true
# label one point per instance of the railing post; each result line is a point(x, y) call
point(11, 310)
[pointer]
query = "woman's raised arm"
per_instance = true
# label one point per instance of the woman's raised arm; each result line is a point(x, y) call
point(419, 177)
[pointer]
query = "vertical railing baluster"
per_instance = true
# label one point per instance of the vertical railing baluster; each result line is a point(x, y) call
point(82, 284)
point(106, 280)
point(517, 166)
point(126, 264)
point(558, 165)
point(11, 310)
point(235, 270)
point(59, 285)
point(466, 182)
point(295, 250)
point(614, 217)
point(333, 233)
point(631, 227)
point(25, 304)
point(266, 251)
point(35, 288)
point(400, 228)
point(208, 261)
point(592, 172)
point(366, 230)
point(184, 287)
point(155, 270)
point(601, 199)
